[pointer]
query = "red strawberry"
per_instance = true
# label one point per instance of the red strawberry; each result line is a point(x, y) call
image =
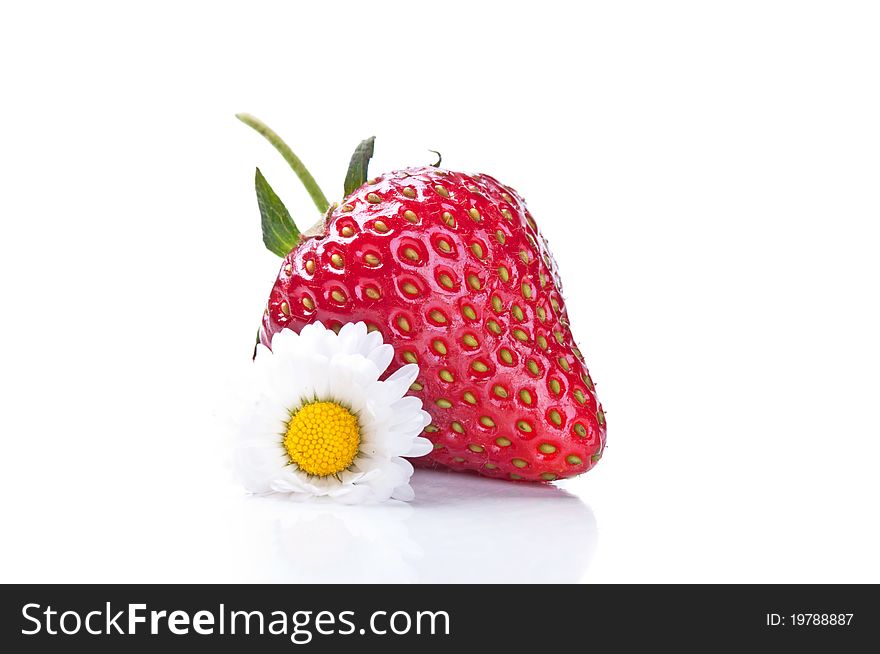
point(452, 270)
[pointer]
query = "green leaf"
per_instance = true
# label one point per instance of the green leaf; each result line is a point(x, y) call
point(280, 234)
point(360, 161)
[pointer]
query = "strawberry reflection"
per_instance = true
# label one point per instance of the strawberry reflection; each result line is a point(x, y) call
point(460, 528)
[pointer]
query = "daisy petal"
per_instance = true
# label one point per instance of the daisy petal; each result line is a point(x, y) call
point(420, 447)
point(381, 356)
point(401, 379)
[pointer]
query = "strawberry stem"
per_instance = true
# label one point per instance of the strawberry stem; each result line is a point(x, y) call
point(299, 168)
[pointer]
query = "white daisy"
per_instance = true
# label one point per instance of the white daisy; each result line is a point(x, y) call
point(322, 425)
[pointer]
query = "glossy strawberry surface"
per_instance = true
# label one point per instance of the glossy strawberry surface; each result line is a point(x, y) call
point(452, 270)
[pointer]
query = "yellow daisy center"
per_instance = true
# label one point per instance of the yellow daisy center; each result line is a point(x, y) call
point(322, 438)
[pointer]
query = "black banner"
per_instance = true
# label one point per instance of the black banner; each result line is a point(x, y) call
point(103, 618)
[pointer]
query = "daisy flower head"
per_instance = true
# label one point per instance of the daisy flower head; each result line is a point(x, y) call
point(323, 425)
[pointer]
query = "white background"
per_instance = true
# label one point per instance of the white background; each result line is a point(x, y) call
point(706, 173)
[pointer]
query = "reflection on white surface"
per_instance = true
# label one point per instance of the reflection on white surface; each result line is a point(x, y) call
point(460, 528)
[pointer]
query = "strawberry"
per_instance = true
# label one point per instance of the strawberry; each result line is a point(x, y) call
point(452, 270)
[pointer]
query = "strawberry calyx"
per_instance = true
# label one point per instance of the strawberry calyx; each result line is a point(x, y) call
point(357, 167)
point(320, 227)
point(280, 233)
